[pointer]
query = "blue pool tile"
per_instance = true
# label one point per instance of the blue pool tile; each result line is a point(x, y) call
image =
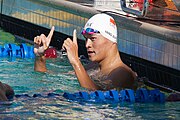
point(123, 46)
point(178, 51)
point(132, 47)
point(153, 55)
point(120, 46)
point(149, 40)
point(136, 50)
point(178, 63)
point(158, 44)
point(149, 53)
point(128, 47)
point(168, 47)
point(135, 38)
point(166, 59)
point(140, 51)
point(175, 62)
point(121, 33)
point(141, 39)
point(175, 49)
point(170, 60)
point(144, 52)
point(158, 56)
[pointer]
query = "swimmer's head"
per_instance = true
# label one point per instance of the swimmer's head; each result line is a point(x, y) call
point(9, 92)
point(103, 24)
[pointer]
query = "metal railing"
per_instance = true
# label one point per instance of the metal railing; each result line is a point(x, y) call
point(142, 13)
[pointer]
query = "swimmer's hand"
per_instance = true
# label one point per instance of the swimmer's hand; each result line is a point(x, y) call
point(41, 43)
point(71, 48)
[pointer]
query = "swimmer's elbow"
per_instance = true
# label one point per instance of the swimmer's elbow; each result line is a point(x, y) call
point(40, 70)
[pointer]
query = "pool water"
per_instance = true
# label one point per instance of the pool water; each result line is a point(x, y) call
point(21, 76)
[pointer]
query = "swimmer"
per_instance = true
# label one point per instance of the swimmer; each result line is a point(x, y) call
point(106, 70)
point(6, 92)
point(41, 44)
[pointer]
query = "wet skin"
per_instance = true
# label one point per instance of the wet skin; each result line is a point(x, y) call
point(100, 50)
point(6, 92)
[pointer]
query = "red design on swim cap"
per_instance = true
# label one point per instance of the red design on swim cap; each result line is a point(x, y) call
point(51, 53)
point(112, 21)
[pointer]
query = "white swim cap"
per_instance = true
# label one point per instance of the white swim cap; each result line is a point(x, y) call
point(103, 23)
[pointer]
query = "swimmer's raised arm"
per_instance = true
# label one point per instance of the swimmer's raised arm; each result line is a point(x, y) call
point(72, 53)
point(41, 43)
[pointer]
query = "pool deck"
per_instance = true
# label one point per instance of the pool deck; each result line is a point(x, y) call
point(163, 13)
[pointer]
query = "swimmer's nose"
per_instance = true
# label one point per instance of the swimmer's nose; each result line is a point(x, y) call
point(88, 43)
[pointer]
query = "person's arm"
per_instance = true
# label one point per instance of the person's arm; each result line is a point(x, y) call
point(72, 53)
point(41, 43)
point(40, 64)
point(83, 77)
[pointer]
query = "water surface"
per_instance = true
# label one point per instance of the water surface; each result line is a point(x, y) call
point(21, 76)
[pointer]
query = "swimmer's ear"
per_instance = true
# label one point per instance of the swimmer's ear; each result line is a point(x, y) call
point(74, 37)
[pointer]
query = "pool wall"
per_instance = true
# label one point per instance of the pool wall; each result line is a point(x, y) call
point(150, 50)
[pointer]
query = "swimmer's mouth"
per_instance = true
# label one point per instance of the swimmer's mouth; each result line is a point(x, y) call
point(90, 52)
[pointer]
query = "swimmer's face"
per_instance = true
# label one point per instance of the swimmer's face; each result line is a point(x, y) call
point(96, 46)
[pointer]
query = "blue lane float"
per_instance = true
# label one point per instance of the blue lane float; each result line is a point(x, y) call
point(141, 95)
point(112, 96)
point(15, 51)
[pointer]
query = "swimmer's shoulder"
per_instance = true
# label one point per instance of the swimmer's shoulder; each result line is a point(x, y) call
point(124, 77)
point(122, 70)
